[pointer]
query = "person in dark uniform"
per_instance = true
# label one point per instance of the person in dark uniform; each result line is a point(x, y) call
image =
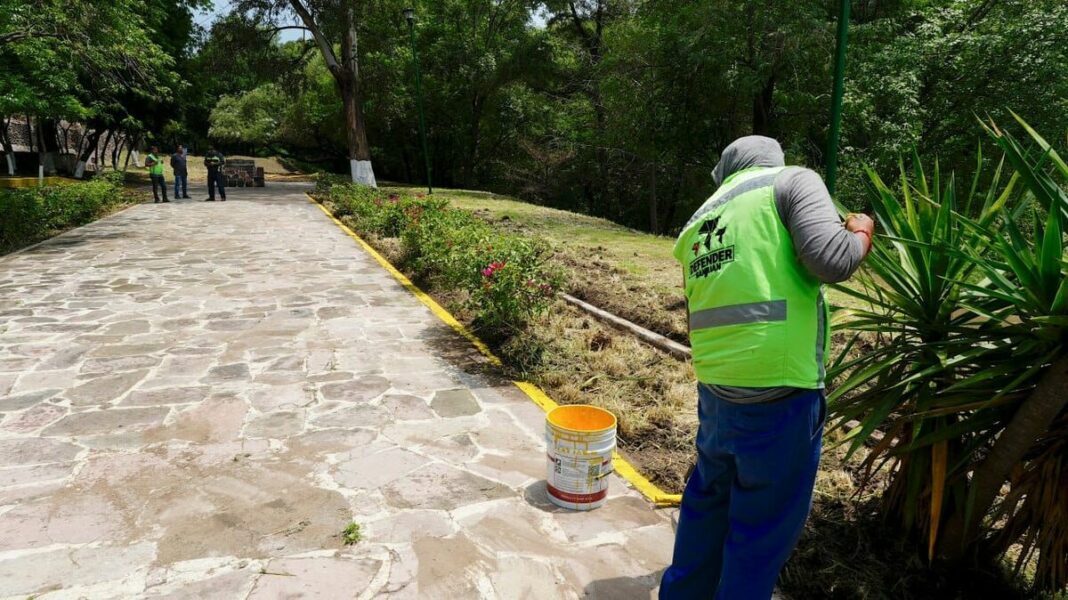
point(214, 161)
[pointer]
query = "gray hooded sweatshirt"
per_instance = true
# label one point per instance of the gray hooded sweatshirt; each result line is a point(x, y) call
point(823, 244)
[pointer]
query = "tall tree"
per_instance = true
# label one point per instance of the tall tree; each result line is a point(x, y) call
point(100, 64)
point(333, 26)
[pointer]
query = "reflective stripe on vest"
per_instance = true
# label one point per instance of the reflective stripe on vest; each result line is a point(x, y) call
point(736, 314)
point(757, 317)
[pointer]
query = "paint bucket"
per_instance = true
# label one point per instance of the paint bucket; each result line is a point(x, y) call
point(580, 440)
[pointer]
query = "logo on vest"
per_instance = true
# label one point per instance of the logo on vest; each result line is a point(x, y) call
point(712, 259)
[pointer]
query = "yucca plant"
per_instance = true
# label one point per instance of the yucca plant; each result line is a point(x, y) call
point(958, 353)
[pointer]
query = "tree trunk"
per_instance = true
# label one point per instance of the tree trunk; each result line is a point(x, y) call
point(9, 148)
point(1031, 420)
point(116, 151)
point(654, 208)
point(103, 152)
point(346, 74)
point(132, 143)
point(473, 141)
point(355, 125)
point(91, 139)
point(763, 108)
point(47, 135)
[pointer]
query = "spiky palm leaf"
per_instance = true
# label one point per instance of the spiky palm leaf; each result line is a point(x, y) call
point(965, 313)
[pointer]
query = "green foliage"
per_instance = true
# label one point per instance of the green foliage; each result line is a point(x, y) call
point(252, 118)
point(505, 279)
point(351, 535)
point(325, 181)
point(963, 318)
point(33, 214)
point(620, 108)
point(918, 76)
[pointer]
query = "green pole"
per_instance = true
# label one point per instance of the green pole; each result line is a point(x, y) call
point(419, 95)
point(836, 96)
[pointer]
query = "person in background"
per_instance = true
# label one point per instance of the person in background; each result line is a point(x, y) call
point(155, 172)
point(215, 161)
point(754, 258)
point(181, 173)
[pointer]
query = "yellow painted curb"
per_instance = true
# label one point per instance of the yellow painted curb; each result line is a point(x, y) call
point(25, 182)
point(538, 396)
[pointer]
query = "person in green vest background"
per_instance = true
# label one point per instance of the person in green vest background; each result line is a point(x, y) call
point(155, 172)
point(754, 259)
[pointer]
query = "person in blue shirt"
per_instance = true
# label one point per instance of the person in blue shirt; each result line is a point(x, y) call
point(181, 173)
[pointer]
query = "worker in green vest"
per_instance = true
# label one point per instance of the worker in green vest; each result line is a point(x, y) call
point(754, 257)
point(154, 164)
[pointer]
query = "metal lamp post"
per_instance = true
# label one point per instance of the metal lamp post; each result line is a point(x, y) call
point(409, 14)
point(836, 96)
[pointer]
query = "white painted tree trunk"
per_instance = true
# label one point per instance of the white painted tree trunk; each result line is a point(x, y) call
point(48, 160)
point(79, 169)
point(136, 159)
point(10, 164)
point(362, 172)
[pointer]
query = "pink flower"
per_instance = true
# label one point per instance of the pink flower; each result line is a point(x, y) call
point(492, 268)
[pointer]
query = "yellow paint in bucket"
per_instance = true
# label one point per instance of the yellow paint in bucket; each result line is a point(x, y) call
point(580, 440)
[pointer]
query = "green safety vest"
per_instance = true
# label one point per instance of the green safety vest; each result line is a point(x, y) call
point(156, 169)
point(757, 316)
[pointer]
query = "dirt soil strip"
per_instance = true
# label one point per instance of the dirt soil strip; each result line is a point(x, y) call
point(621, 465)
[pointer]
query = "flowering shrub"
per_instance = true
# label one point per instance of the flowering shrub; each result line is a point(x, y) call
point(506, 278)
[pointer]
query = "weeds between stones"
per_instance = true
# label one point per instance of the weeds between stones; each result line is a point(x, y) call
point(351, 535)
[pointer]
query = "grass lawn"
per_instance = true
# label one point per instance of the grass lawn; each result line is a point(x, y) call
point(274, 169)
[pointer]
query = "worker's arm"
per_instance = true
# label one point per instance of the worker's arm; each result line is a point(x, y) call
point(831, 250)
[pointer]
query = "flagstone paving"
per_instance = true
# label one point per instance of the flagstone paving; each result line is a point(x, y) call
point(196, 399)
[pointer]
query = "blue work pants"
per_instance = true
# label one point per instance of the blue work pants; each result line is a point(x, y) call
point(746, 501)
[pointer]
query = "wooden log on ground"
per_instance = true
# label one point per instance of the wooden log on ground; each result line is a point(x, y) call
point(656, 340)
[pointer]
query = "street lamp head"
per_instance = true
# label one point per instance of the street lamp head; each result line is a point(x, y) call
point(409, 14)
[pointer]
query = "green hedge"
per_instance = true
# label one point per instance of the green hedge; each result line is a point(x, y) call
point(32, 214)
point(506, 279)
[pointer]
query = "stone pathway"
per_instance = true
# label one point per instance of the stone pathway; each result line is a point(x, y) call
point(196, 400)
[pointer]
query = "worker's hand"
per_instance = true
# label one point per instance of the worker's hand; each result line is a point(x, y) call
point(864, 226)
point(860, 222)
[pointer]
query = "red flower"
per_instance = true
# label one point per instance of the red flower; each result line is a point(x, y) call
point(492, 268)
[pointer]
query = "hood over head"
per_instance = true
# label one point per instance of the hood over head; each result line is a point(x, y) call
point(746, 152)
